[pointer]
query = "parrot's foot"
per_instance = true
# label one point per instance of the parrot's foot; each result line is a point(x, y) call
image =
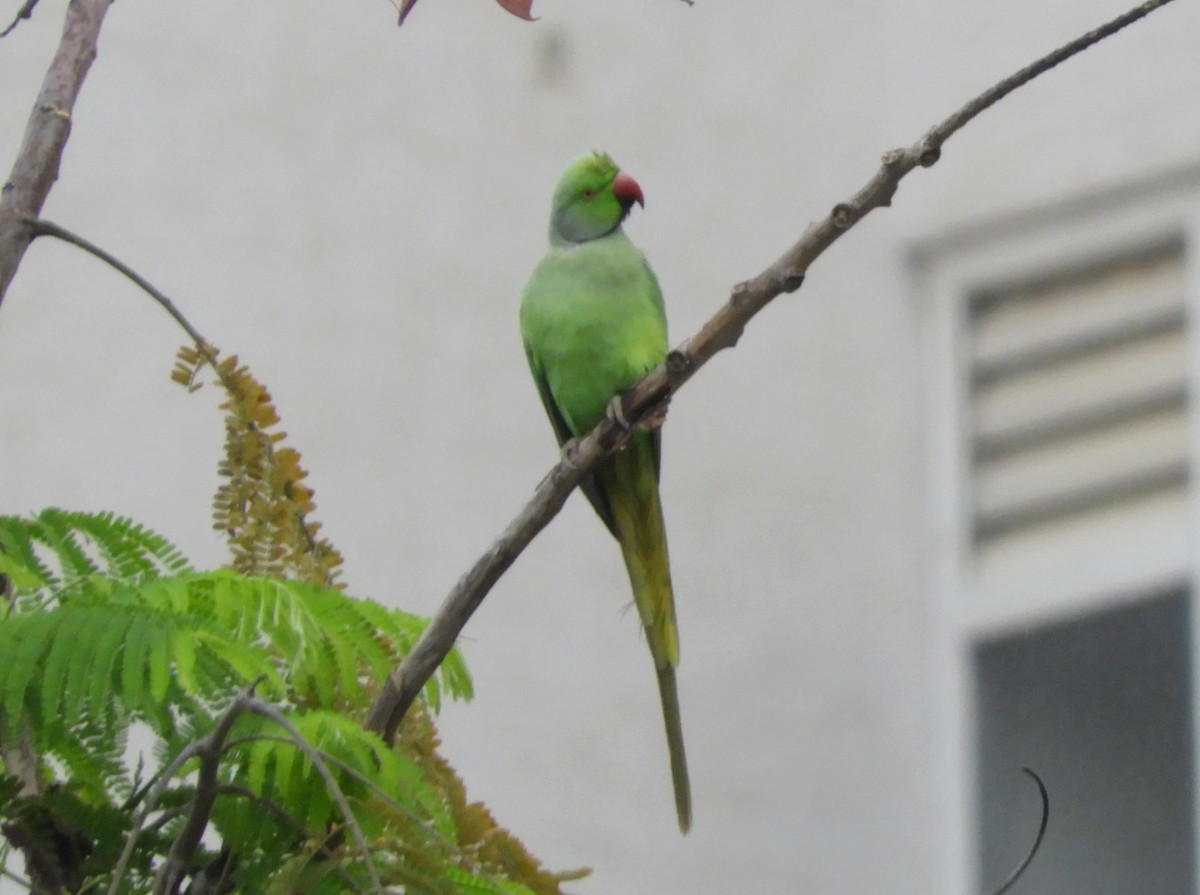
point(648, 423)
point(616, 412)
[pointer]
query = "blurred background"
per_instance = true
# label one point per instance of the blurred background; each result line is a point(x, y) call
point(933, 520)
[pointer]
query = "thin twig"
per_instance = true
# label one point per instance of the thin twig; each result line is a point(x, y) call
point(41, 227)
point(1037, 841)
point(23, 13)
point(1027, 74)
point(721, 331)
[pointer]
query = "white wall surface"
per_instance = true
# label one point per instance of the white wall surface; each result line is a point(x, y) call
point(353, 209)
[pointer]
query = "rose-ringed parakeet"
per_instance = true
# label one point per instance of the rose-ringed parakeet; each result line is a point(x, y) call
point(593, 324)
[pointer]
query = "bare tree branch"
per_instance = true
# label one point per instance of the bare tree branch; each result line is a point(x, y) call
point(208, 749)
point(24, 193)
point(36, 167)
point(721, 331)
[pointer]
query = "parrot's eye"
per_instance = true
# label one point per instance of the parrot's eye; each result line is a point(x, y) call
point(588, 195)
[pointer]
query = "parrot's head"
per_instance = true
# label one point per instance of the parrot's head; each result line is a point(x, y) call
point(592, 199)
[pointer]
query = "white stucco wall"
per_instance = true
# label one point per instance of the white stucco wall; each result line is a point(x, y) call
point(353, 210)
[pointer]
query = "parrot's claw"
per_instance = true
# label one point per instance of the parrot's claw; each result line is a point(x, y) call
point(652, 420)
point(616, 413)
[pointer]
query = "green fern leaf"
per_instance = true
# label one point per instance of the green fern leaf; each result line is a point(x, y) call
point(142, 631)
point(58, 551)
point(160, 663)
point(27, 575)
point(93, 759)
point(22, 563)
point(472, 884)
point(112, 636)
point(183, 654)
point(130, 551)
point(247, 662)
point(69, 640)
point(58, 533)
point(88, 652)
point(22, 640)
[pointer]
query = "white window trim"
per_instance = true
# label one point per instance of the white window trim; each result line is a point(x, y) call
point(946, 271)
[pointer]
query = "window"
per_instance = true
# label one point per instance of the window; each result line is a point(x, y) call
point(1062, 444)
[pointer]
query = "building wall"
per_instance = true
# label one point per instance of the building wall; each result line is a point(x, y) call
point(354, 209)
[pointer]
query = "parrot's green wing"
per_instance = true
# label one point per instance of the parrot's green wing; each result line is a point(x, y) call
point(588, 483)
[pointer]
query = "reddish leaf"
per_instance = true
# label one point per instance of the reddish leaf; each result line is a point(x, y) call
point(405, 8)
point(519, 8)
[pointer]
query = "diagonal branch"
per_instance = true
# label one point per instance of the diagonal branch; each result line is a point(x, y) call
point(36, 167)
point(721, 331)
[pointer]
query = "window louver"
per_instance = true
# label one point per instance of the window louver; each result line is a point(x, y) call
point(1078, 397)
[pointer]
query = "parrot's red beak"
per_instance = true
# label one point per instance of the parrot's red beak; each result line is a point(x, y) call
point(627, 191)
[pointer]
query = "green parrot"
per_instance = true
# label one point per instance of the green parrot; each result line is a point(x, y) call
point(593, 324)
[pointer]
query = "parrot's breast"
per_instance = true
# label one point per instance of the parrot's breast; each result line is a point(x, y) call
point(592, 317)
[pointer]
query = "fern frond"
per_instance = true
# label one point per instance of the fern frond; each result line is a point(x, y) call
point(93, 762)
point(23, 640)
point(472, 884)
point(263, 506)
point(387, 791)
point(331, 648)
point(110, 627)
point(130, 551)
point(104, 663)
point(58, 534)
point(60, 553)
point(20, 561)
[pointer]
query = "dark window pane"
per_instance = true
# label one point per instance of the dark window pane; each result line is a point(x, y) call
point(1100, 707)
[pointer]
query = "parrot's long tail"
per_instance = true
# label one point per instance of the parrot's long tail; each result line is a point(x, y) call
point(679, 772)
point(632, 488)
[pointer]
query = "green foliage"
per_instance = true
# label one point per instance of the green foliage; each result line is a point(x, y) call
point(107, 630)
point(60, 552)
point(250, 683)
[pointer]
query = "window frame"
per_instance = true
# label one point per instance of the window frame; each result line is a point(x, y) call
point(946, 271)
